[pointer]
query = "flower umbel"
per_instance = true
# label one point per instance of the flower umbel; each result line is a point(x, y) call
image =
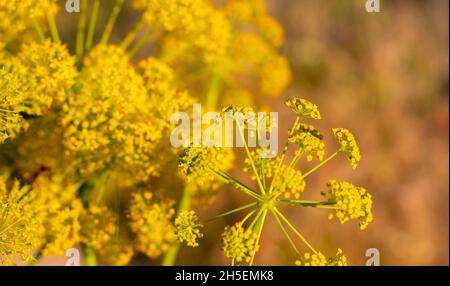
point(187, 228)
point(281, 184)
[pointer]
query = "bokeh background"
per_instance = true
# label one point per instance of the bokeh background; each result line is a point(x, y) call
point(384, 76)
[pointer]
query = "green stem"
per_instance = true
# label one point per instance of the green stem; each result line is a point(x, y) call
point(314, 204)
point(53, 27)
point(39, 31)
point(228, 213)
point(258, 227)
point(235, 183)
point(295, 230)
point(185, 204)
point(92, 24)
point(283, 229)
point(212, 95)
point(249, 155)
point(132, 34)
point(320, 164)
point(81, 29)
point(143, 40)
point(112, 21)
point(90, 258)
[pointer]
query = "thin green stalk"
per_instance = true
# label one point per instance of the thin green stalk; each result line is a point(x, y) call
point(314, 204)
point(143, 40)
point(283, 229)
point(229, 213)
point(249, 155)
point(132, 34)
point(283, 155)
point(185, 204)
point(320, 164)
point(112, 21)
point(247, 216)
point(235, 183)
point(39, 31)
point(92, 24)
point(212, 95)
point(258, 227)
point(53, 27)
point(295, 230)
point(81, 29)
point(90, 258)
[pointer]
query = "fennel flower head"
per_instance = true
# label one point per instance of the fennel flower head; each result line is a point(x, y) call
point(20, 224)
point(150, 221)
point(110, 123)
point(352, 202)
point(11, 104)
point(188, 228)
point(239, 244)
point(16, 16)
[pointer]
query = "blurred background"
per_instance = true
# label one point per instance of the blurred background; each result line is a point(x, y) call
point(384, 76)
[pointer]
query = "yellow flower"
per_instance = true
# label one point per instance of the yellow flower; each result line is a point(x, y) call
point(48, 71)
point(304, 108)
point(245, 11)
point(151, 224)
point(11, 104)
point(20, 224)
point(348, 145)
point(187, 228)
point(318, 259)
point(18, 15)
point(117, 252)
point(111, 123)
point(204, 161)
point(352, 202)
point(195, 21)
point(61, 210)
point(289, 181)
point(271, 29)
point(239, 244)
point(275, 76)
point(309, 141)
point(98, 226)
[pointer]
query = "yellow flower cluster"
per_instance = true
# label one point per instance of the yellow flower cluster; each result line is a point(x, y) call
point(289, 182)
point(202, 162)
point(352, 202)
point(318, 259)
point(164, 98)
point(110, 123)
point(61, 212)
point(187, 228)
point(303, 107)
point(117, 252)
point(239, 244)
point(20, 224)
point(11, 104)
point(48, 71)
point(195, 21)
point(255, 12)
point(250, 53)
point(309, 141)
point(348, 145)
point(98, 226)
point(18, 15)
point(151, 224)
